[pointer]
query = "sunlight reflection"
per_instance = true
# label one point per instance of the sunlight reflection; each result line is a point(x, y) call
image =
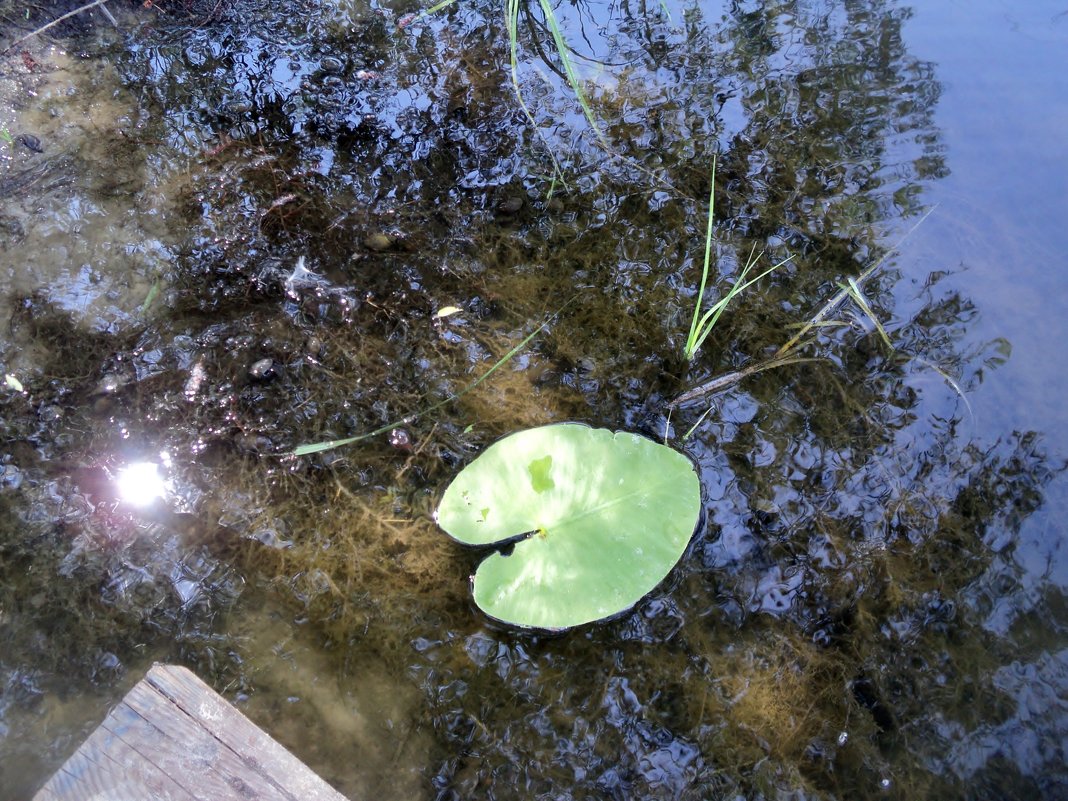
point(140, 483)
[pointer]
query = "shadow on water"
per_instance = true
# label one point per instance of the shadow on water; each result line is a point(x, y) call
point(850, 621)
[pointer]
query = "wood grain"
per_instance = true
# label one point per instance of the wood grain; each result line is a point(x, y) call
point(172, 738)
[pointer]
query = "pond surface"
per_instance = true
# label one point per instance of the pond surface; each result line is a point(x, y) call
point(227, 230)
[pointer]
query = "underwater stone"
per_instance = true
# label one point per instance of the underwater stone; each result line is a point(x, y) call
point(263, 370)
point(50, 413)
point(109, 384)
point(510, 205)
point(378, 242)
point(400, 439)
point(30, 142)
point(10, 476)
point(253, 443)
point(332, 65)
point(237, 105)
point(11, 228)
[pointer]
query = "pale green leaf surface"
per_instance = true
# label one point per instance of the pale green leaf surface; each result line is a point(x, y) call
point(611, 513)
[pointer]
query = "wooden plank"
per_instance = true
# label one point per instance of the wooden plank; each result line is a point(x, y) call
point(107, 767)
point(173, 738)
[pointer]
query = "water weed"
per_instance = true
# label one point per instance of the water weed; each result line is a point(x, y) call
point(318, 447)
point(563, 52)
point(702, 324)
point(787, 353)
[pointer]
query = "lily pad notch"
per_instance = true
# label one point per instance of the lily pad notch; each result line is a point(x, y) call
point(597, 518)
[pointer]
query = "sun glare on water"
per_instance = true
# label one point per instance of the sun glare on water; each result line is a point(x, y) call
point(140, 483)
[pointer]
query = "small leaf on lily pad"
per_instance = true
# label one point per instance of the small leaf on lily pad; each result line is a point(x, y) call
point(601, 518)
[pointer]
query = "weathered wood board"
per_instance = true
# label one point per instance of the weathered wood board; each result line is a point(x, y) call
point(172, 738)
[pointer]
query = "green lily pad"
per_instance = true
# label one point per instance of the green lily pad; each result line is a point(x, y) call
point(605, 515)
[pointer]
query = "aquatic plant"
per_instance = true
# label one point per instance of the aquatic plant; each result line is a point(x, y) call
point(563, 52)
point(317, 447)
point(702, 324)
point(787, 353)
point(595, 520)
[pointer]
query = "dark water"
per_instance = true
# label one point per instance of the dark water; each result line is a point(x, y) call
point(874, 606)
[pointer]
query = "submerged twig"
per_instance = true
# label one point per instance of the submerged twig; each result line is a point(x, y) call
point(57, 20)
point(726, 380)
point(717, 384)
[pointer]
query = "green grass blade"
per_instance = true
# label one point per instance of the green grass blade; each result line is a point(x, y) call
point(690, 350)
point(862, 302)
point(564, 51)
point(317, 447)
point(150, 298)
point(821, 324)
point(840, 297)
point(711, 316)
point(438, 7)
point(511, 24)
point(701, 419)
point(434, 9)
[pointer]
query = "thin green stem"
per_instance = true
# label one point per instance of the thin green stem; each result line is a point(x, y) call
point(564, 51)
point(694, 323)
point(701, 324)
point(511, 23)
point(701, 419)
point(434, 9)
